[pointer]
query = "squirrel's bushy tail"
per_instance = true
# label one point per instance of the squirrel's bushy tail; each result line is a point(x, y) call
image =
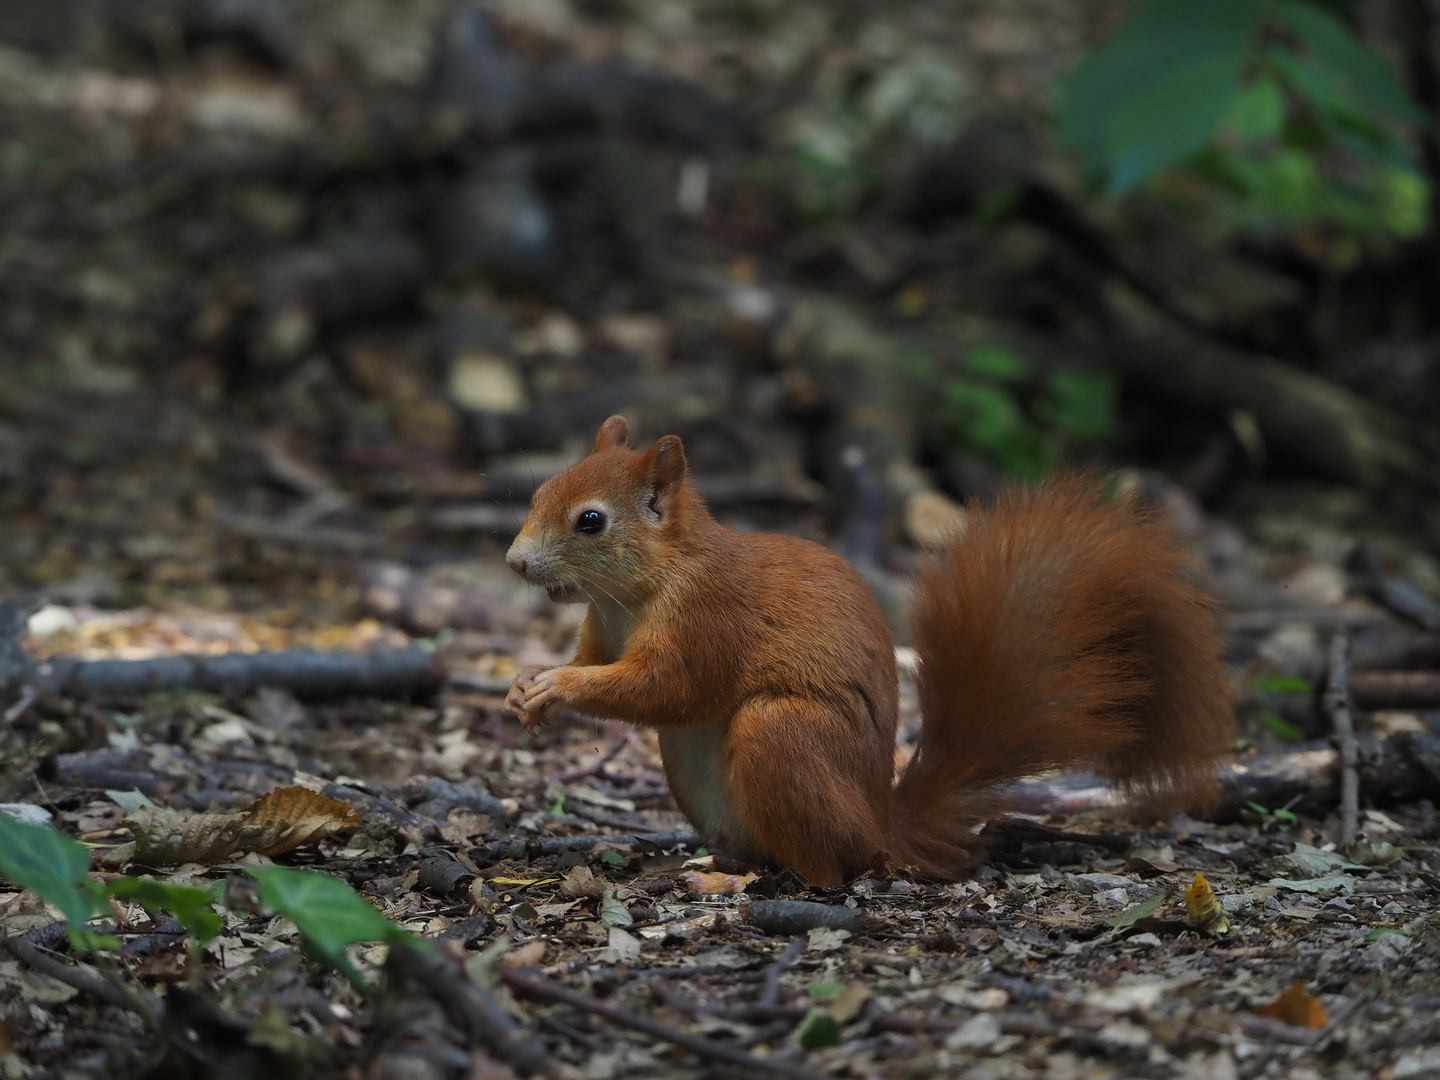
point(1056, 630)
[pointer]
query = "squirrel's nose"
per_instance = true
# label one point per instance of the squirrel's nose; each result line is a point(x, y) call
point(517, 563)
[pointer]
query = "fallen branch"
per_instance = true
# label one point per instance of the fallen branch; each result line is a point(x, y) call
point(1399, 596)
point(1337, 704)
point(1395, 768)
point(1316, 423)
point(801, 916)
point(537, 987)
point(406, 672)
point(142, 1002)
point(469, 1005)
point(489, 854)
point(771, 996)
point(1396, 689)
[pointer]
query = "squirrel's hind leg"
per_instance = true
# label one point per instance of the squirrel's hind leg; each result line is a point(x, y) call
point(806, 788)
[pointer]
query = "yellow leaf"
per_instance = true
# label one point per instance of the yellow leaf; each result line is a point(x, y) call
point(522, 880)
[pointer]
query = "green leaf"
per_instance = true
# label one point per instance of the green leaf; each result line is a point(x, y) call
point(819, 1029)
point(1155, 91)
point(1257, 113)
point(612, 858)
point(825, 991)
point(1284, 684)
point(330, 915)
point(1348, 61)
point(1384, 931)
point(613, 912)
point(1263, 811)
point(996, 363)
point(52, 866)
point(1080, 405)
point(1142, 910)
point(1287, 731)
point(189, 905)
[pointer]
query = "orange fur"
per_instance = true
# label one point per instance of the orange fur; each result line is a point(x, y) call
point(1055, 630)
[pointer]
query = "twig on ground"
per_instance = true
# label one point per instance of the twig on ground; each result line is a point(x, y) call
point(598, 765)
point(571, 1032)
point(1337, 704)
point(537, 987)
point(145, 1004)
point(380, 673)
point(799, 916)
point(469, 1006)
point(489, 854)
point(1396, 689)
point(771, 996)
point(1399, 596)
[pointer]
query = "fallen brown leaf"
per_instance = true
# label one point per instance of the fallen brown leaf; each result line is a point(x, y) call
point(1296, 1006)
point(527, 955)
point(289, 817)
point(717, 884)
point(581, 883)
point(273, 824)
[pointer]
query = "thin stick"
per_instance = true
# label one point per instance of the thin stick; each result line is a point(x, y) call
point(489, 854)
point(771, 996)
point(470, 1006)
point(595, 767)
point(540, 988)
point(1337, 703)
point(146, 1004)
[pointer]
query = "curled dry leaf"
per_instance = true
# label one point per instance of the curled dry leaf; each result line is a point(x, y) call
point(527, 955)
point(717, 884)
point(289, 817)
point(1202, 910)
point(581, 883)
point(1296, 1006)
point(275, 823)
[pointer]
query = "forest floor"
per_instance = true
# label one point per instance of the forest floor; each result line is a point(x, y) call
point(202, 451)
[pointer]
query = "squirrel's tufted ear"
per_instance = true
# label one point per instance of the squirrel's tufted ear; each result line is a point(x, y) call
point(664, 469)
point(613, 432)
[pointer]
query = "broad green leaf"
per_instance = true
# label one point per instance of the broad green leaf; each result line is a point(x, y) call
point(819, 1029)
point(996, 363)
point(52, 866)
point(1080, 405)
point(1155, 91)
point(1284, 684)
point(824, 991)
point(191, 906)
point(330, 915)
point(1283, 728)
point(613, 912)
point(1131, 915)
point(1386, 931)
point(1257, 112)
point(1350, 61)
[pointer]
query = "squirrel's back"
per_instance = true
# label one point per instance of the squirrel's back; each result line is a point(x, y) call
point(1057, 629)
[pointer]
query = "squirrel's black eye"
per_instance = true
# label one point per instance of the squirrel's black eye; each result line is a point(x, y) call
point(591, 521)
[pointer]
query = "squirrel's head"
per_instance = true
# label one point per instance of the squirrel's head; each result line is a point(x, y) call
point(602, 525)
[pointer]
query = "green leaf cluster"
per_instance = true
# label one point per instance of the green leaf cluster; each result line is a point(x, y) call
point(986, 412)
point(1263, 114)
point(329, 914)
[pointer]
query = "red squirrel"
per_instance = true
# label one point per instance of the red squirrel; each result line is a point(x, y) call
point(1055, 629)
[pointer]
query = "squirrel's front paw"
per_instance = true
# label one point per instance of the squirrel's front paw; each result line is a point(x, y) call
point(534, 696)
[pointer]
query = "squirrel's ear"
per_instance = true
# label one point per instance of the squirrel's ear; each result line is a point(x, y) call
point(664, 465)
point(613, 432)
